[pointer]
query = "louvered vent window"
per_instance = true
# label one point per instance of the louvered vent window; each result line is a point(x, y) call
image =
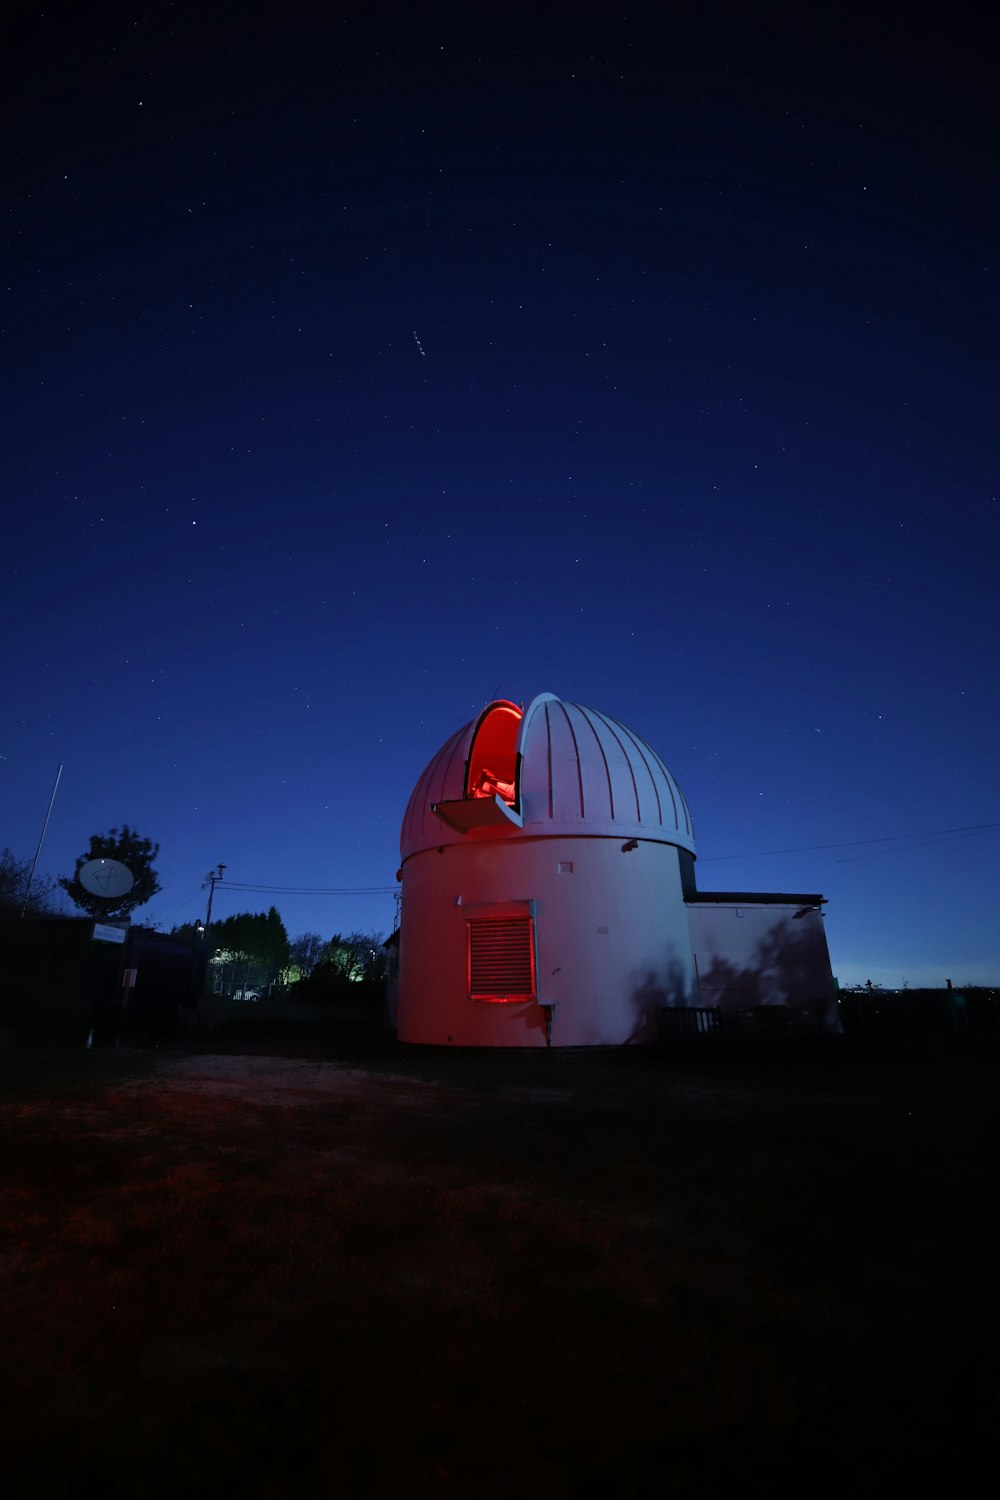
point(501, 958)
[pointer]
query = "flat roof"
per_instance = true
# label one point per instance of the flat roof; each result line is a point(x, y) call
point(754, 898)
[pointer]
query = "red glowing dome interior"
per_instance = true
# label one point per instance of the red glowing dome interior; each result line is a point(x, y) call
point(493, 754)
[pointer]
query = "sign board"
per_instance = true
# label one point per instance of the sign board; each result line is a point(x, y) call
point(128, 978)
point(105, 934)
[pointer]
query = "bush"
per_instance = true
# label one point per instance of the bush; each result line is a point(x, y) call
point(324, 987)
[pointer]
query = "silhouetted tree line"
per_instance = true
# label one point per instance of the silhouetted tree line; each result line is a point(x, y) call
point(247, 953)
point(350, 970)
point(250, 953)
point(123, 845)
point(14, 876)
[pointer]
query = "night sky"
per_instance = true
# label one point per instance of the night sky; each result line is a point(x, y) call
point(358, 371)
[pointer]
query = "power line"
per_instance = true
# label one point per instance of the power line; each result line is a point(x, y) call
point(311, 890)
point(168, 911)
point(891, 838)
point(930, 842)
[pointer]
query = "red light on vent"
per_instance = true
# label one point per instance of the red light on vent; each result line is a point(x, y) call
point(501, 958)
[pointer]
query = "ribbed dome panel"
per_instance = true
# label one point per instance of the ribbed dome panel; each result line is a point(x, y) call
point(581, 772)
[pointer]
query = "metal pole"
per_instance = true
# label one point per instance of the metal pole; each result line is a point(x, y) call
point(211, 877)
point(45, 825)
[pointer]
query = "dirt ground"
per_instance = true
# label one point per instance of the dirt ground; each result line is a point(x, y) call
point(379, 1273)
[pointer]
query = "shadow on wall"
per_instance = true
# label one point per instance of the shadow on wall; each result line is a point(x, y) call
point(789, 969)
point(535, 1017)
point(654, 990)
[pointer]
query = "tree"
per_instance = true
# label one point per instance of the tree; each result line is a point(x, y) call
point(14, 875)
point(358, 956)
point(350, 972)
point(306, 951)
point(258, 938)
point(128, 848)
point(248, 951)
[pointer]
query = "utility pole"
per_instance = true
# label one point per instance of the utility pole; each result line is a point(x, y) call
point(211, 880)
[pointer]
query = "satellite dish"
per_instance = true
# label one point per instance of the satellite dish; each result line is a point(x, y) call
point(107, 878)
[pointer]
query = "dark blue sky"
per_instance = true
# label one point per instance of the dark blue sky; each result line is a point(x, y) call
point(700, 430)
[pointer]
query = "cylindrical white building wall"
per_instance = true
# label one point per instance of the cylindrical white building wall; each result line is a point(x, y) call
point(610, 934)
point(561, 819)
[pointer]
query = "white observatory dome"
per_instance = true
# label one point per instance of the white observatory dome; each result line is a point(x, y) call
point(548, 898)
point(552, 769)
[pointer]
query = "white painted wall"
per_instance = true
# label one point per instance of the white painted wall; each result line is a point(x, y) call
point(749, 954)
point(612, 941)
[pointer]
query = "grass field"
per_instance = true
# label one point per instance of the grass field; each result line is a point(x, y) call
point(362, 1271)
